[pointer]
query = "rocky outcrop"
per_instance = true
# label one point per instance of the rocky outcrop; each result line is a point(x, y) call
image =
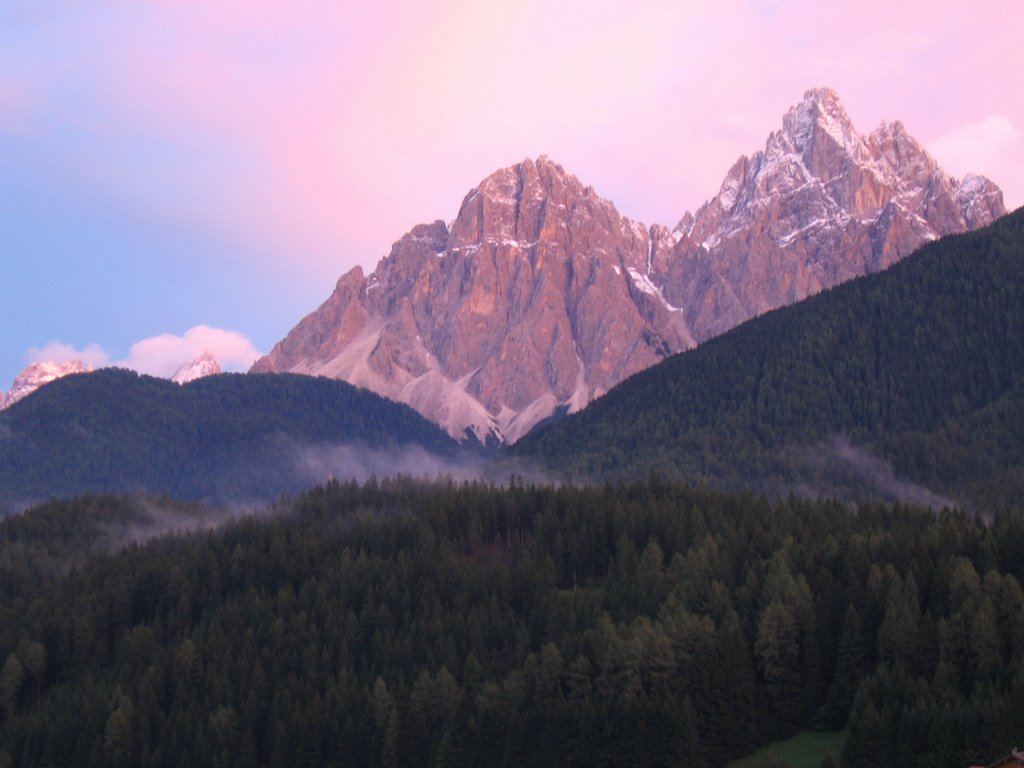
point(540, 296)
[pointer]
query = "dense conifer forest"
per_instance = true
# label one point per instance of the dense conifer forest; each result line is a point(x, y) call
point(405, 623)
point(227, 438)
point(921, 365)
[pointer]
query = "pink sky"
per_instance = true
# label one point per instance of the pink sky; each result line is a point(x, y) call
point(308, 135)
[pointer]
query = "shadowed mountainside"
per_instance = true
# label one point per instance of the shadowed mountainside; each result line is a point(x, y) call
point(228, 438)
point(922, 365)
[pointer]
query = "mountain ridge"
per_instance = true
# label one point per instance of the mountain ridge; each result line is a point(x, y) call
point(902, 366)
point(818, 189)
point(231, 438)
point(41, 373)
point(541, 296)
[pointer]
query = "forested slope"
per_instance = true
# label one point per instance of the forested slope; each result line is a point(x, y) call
point(906, 363)
point(231, 437)
point(418, 625)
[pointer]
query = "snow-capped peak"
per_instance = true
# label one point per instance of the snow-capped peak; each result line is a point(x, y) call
point(820, 112)
point(38, 374)
point(973, 185)
point(204, 365)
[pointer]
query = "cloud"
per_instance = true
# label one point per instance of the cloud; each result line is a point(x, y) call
point(993, 147)
point(319, 462)
point(160, 355)
point(978, 144)
point(163, 355)
point(58, 352)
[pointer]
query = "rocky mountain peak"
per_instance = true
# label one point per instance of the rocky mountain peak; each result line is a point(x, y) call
point(508, 204)
point(539, 295)
point(37, 375)
point(533, 300)
point(980, 200)
point(820, 117)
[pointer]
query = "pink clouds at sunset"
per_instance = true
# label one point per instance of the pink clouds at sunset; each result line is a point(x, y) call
point(333, 128)
point(294, 140)
point(160, 355)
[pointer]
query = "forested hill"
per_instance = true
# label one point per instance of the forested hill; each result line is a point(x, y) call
point(922, 365)
point(232, 437)
point(409, 624)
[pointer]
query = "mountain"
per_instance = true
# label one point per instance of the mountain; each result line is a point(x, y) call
point(38, 374)
point(533, 299)
point(540, 296)
point(35, 376)
point(204, 365)
point(920, 366)
point(821, 204)
point(227, 438)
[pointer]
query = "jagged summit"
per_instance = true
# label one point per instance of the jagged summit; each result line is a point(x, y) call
point(820, 204)
point(531, 301)
point(820, 117)
point(540, 296)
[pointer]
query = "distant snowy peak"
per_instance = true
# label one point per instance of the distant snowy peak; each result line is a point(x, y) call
point(819, 164)
point(38, 375)
point(204, 365)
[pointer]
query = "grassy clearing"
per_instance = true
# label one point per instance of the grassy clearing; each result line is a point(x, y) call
point(805, 750)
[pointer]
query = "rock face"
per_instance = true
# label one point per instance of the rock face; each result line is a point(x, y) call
point(35, 376)
point(540, 296)
point(204, 365)
point(820, 205)
point(532, 300)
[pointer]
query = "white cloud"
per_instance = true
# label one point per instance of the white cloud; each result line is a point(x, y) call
point(978, 143)
point(993, 147)
point(163, 355)
point(58, 352)
point(160, 355)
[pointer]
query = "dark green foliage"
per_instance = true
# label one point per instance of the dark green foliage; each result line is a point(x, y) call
point(400, 623)
point(63, 534)
point(232, 437)
point(923, 364)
